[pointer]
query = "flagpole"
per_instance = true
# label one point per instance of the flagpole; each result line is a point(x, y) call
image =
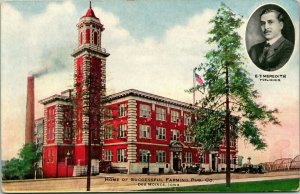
point(194, 71)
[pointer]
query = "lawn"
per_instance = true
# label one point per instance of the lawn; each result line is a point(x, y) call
point(261, 186)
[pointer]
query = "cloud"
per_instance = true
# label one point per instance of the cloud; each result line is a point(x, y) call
point(31, 44)
point(45, 41)
point(170, 59)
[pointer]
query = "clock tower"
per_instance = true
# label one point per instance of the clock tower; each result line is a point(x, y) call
point(89, 87)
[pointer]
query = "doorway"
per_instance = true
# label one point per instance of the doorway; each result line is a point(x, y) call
point(213, 162)
point(176, 164)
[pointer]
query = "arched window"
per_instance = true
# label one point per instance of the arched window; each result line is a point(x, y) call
point(95, 38)
point(87, 36)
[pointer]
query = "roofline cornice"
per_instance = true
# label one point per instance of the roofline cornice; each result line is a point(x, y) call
point(137, 93)
point(54, 98)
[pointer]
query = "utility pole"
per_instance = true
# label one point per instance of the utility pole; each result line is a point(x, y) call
point(227, 132)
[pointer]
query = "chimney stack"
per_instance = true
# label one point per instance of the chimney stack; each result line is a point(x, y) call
point(29, 125)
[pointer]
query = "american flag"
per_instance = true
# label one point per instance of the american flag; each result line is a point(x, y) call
point(199, 79)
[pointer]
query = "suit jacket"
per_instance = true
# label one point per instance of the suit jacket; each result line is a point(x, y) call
point(277, 56)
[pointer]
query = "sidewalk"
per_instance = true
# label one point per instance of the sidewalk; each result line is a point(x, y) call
point(205, 180)
point(135, 182)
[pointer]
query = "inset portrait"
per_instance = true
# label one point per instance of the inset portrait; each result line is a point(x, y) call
point(270, 37)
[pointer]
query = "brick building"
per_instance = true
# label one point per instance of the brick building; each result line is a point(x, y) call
point(126, 128)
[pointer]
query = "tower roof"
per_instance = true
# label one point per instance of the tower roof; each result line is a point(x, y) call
point(90, 12)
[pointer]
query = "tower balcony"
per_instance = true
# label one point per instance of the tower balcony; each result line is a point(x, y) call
point(91, 49)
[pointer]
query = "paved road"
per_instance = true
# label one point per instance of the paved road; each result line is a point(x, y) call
point(134, 182)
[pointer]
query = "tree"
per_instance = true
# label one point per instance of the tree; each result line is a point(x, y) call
point(228, 108)
point(23, 166)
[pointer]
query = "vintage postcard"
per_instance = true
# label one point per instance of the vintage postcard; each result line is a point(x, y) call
point(159, 96)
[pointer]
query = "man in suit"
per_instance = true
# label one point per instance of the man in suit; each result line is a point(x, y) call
point(273, 53)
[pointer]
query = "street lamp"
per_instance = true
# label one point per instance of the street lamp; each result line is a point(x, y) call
point(249, 158)
point(148, 157)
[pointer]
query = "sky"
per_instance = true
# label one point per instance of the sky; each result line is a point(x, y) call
point(153, 45)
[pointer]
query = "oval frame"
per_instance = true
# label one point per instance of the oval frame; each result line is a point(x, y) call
point(255, 36)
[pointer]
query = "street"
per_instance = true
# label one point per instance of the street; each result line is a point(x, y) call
point(134, 182)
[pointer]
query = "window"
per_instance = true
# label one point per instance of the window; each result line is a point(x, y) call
point(202, 158)
point(68, 116)
point(108, 132)
point(231, 159)
point(122, 110)
point(174, 116)
point(50, 133)
point(68, 133)
point(145, 110)
point(160, 133)
point(95, 134)
point(187, 136)
point(188, 157)
point(95, 38)
point(122, 130)
point(50, 156)
point(222, 159)
point(160, 156)
point(108, 114)
point(160, 114)
point(187, 119)
point(108, 155)
point(144, 155)
point(232, 143)
point(175, 134)
point(121, 155)
point(87, 35)
point(145, 131)
point(50, 123)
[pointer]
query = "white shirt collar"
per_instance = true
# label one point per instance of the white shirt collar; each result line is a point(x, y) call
point(272, 41)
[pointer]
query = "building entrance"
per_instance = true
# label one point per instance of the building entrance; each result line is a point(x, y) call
point(176, 155)
point(213, 162)
point(177, 164)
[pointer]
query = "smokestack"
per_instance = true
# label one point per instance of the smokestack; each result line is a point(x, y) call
point(29, 125)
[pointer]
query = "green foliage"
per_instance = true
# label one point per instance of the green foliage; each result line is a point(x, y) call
point(246, 113)
point(23, 166)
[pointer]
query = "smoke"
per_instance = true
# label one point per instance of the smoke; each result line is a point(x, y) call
point(39, 72)
point(53, 60)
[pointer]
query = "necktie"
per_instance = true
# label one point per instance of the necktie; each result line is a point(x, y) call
point(263, 56)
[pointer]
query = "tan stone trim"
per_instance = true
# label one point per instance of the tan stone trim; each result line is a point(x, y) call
point(119, 143)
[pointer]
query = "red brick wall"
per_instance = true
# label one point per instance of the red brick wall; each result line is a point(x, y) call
point(50, 161)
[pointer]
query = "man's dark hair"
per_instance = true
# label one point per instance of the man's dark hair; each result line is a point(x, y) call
point(279, 14)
